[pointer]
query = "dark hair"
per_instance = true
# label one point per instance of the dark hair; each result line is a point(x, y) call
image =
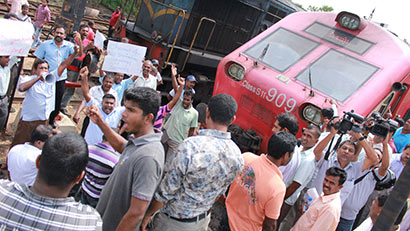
point(40, 133)
point(108, 96)
point(349, 142)
point(281, 143)
point(400, 121)
point(82, 26)
point(24, 6)
point(90, 22)
point(327, 112)
point(38, 62)
point(336, 171)
point(63, 158)
point(289, 121)
point(58, 27)
point(222, 108)
point(189, 94)
point(407, 146)
point(147, 99)
point(315, 129)
point(110, 76)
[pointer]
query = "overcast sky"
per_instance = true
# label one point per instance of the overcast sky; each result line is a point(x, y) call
point(395, 13)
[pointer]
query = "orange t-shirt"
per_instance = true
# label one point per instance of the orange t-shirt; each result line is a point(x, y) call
point(256, 193)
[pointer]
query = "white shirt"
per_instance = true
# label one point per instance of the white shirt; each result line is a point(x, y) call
point(39, 101)
point(353, 171)
point(359, 195)
point(303, 174)
point(366, 225)
point(97, 93)
point(5, 75)
point(21, 163)
point(396, 165)
point(159, 77)
point(151, 82)
point(93, 133)
point(289, 170)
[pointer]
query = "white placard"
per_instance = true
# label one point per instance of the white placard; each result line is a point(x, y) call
point(15, 37)
point(99, 39)
point(124, 58)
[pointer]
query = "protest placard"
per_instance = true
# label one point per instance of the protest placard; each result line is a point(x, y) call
point(124, 58)
point(99, 39)
point(15, 37)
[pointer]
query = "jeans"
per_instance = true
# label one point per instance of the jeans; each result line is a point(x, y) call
point(345, 225)
point(37, 33)
point(69, 92)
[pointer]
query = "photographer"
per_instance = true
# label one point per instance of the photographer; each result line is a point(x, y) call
point(343, 157)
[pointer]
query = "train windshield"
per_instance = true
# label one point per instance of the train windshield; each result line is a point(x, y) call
point(337, 75)
point(281, 49)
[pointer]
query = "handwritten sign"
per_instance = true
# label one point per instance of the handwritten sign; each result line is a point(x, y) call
point(15, 37)
point(99, 39)
point(124, 58)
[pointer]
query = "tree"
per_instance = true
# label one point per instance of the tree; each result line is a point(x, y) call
point(324, 8)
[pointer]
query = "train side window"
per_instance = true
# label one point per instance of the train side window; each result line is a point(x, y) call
point(281, 49)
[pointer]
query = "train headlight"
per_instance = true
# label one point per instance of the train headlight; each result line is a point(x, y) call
point(348, 20)
point(235, 71)
point(311, 114)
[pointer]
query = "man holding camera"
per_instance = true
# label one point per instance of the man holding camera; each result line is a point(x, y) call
point(40, 95)
point(343, 157)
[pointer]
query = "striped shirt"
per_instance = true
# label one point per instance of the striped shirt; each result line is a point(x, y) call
point(101, 161)
point(21, 209)
point(162, 112)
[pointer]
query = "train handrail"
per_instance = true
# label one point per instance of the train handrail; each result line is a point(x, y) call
point(179, 27)
point(194, 38)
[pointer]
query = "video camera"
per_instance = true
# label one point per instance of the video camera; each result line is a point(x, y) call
point(381, 127)
point(347, 123)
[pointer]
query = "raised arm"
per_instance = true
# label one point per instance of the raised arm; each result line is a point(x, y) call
point(318, 151)
point(386, 156)
point(77, 38)
point(371, 157)
point(67, 61)
point(174, 77)
point(178, 93)
point(115, 139)
point(84, 84)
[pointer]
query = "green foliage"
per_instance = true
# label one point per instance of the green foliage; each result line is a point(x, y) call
point(323, 8)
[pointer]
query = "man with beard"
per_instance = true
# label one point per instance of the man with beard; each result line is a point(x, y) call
point(146, 80)
point(55, 51)
point(110, 112)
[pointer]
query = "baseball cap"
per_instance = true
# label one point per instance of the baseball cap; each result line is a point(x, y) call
point(191, 78)
point(154, 62)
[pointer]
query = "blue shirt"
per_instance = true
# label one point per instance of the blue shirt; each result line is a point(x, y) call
point(120, 87)
point(401, 140)
point(55, 55)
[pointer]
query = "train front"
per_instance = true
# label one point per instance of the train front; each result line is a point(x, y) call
point(302, 63)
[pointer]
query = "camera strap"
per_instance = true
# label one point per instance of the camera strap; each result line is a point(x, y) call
point(363, 176)
point(339, 140)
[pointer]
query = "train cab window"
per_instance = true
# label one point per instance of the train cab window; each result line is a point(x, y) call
point(337, 75)
point(281, 49)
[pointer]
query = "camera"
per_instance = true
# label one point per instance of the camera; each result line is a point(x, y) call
point(381, 126)
point(347, 123)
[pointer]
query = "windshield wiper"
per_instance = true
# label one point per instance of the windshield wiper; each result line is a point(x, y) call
point(311, 94)
point(265, 50)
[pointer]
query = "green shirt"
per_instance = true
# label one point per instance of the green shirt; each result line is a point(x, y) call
point(180, 121)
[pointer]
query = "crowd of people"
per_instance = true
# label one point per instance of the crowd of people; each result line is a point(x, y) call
point(141, 166)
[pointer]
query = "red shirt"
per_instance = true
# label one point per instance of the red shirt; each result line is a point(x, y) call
point(114, 18)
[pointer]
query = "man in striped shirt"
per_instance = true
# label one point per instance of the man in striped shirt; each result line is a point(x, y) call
point(45, 205)
point(101, 161)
